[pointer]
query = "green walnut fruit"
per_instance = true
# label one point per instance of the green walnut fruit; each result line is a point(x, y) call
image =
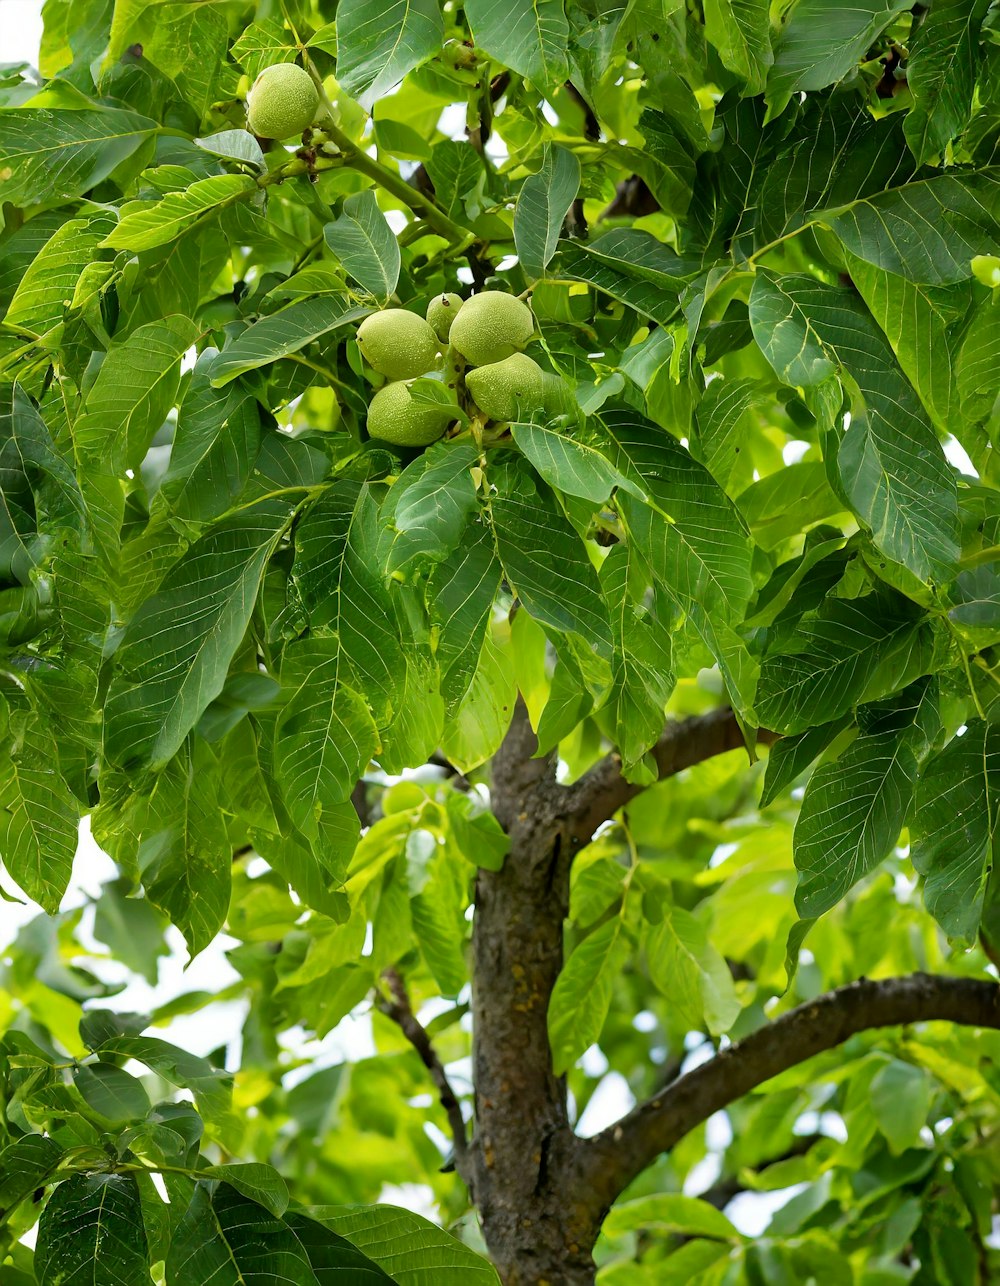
point(283, 101)
point(986, 268)
point(398, 343)
point(395, 416)
point(557, 396)
point(441, 312)
point(508, 389)
point(491, 326)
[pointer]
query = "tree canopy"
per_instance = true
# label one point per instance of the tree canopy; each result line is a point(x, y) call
point(628, 737)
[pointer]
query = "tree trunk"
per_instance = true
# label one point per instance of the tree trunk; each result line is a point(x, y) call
point(524, 1148)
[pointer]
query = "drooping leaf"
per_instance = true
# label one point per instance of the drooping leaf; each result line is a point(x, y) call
point(177, 212)
point(953, 824)
point(379, 43)
point(529, 36)
point(200, 612)
point(364, 243)
point(53, 155)
point(406, 1246)
point(941, 75)
point(542, 205)
point(92, 1230)
point(889, 460)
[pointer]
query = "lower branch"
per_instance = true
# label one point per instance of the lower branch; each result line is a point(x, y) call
point(397, 1007)
point(613, 1158)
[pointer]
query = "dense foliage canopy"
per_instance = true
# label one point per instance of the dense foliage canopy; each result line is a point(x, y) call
point(712, 603)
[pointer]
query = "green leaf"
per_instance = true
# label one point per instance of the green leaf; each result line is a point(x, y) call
point(669, 1212)
point(918, 322)
point(822, 42)
point(45, 290)
point(261, 1183)
point(941, 75)
point(262, 44)
point(544, 559)
point(225, 1239)
point(39, 819)
point(147, 225)
point(330, 1255)
point(379, 43)
point(112, 1092)
point(325, 735)
point(572, 463)
point(632, 267)
point(528, 36)
point(740, 31)
point(978, 356)
point(429, 506)
point(283, 333)
point(215, 446)
point(461, 593)
point(790, 756)
point(700, 551)
point(177, 648)
point(685, 966)
point(132, 928)
point(364, 243)
point(53, 156)
point(889, 460)
point(542, 205)
point(185, 856)
point(852, 650)
point(581, 997)
point(851, 816)
point(92, 1231)
point(336, 573)
point(953, 824)
point(901, 1096)
point(211, 1087)
point(26, 1164)
point(129, 400)
point(412, 1251)
point(641, 674)
point(926, 231)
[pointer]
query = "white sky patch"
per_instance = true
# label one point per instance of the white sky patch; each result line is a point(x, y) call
point(611, 1100)
point(21, 24)
point(959, 457)
point(751, 1211)
point(793, 451)
point(396, 220)
point(451, 122)
point(496, 149)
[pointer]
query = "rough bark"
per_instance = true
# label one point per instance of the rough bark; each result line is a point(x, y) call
point(524, 1144)
point(542, 1192)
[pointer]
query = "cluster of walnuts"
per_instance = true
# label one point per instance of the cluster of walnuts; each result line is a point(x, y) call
point(481, 338)
point(485, 333)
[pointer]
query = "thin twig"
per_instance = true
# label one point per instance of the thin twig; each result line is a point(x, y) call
point(396, 1006)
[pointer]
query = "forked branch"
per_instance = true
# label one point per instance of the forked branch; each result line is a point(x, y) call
point(599, 793)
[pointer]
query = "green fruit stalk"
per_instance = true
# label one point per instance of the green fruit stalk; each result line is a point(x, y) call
point(283, 101)
point(491, 326)
point(398, 343)
point(394, 416)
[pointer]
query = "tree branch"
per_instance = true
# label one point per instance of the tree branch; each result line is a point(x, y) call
point(613, 1158)
point(602, 790)
point(397, 1007)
